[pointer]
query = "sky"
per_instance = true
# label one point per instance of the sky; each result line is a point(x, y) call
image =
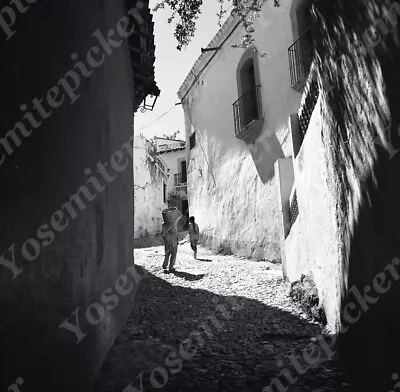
point(172, 67)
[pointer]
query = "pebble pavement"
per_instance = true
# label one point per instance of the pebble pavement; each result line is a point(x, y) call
point(220, 323)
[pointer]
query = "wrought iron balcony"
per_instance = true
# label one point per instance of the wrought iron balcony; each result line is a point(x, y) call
point(247, 113)
point(300, 59)
point(180, 179)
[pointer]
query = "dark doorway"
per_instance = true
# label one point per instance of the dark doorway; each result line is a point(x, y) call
point(185, 212)
point(183, 171)
point(249, 99)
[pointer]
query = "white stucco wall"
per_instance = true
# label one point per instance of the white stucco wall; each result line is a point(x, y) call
point(148, 193)
point(312, 244)
point(231, 189)
point(172, 160)
point(284, 173)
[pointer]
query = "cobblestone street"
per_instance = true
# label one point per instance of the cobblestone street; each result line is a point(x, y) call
point(246, 326)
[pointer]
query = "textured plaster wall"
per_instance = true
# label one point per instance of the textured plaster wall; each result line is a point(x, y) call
point(362, 144)
point(312, 244)
point(96, 247)
point(232, 212)
point(232, 187)
point(172, 160)
point(285, 177)
point(347, 233)
point(148, 192)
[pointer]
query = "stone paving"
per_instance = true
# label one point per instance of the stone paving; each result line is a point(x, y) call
point(220, 323)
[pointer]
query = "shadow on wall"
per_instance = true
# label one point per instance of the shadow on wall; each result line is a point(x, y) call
point(33, 356)
point(253, 250)
point(265, 151)
point(226, 356)
point(363, 115)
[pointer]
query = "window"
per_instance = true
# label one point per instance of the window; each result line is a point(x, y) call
point(294, 208)
point(181, 176)
point(165, 192)
point(247, 109)
point(301, 51)
point(192, 140)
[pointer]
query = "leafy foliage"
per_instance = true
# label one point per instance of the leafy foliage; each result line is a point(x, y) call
point(188, 11)
point(153, 161)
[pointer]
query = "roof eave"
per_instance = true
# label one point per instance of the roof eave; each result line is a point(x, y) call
point(224, 31)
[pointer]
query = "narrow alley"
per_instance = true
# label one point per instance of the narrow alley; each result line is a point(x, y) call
point(257, 330)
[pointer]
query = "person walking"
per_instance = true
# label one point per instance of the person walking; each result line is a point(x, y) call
point(194, 234)
point(170, 236)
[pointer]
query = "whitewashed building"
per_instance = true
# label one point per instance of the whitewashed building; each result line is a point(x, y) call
point(150, 179)
point(257, 165)
point(237, 105)
point(173, 153)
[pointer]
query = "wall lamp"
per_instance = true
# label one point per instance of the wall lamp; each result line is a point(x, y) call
point(148, 103)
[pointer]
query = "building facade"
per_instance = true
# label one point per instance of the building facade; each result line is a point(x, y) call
point(150, 178)
point(173, 153)
point(256, 178)
point(297, 154)
point(344, 215)
point(236, 105)
point(67, 212)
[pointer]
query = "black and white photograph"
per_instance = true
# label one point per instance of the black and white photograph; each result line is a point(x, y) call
point(200, 196)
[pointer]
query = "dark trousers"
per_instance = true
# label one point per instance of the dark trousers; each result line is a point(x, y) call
point(170, 255)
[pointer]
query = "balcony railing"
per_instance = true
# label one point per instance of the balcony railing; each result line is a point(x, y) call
point(300, 58)
point(180, 179)
point(246, 110)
